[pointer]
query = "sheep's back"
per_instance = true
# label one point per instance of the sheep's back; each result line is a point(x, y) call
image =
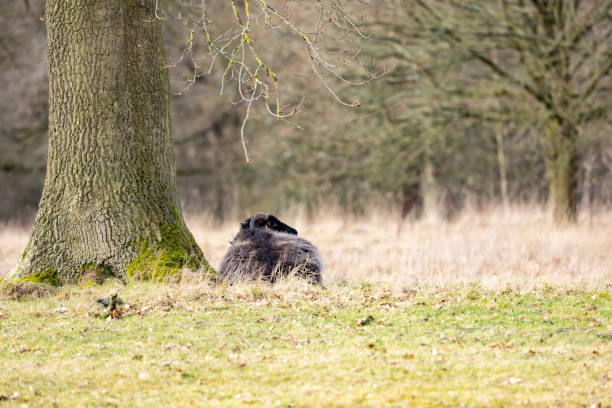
point(249, 257)
point(299, 256)
point(268, 254)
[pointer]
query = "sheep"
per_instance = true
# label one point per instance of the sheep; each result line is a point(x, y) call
point(266, 248)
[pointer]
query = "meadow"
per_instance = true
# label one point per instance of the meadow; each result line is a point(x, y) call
point(497, 308)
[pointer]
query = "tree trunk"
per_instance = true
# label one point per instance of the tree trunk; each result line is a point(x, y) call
point(429, 185)
point(562, 168)
point(587, 187)
point(500, 131)
point(110, 203)
point(501, 162)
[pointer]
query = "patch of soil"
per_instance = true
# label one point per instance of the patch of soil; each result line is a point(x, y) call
point(21, 290)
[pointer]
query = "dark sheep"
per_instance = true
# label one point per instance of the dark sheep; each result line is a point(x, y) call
point(266, 248)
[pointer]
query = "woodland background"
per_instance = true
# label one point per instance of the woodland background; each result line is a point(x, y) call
point(399, 148)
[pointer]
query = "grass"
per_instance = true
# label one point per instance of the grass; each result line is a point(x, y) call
point(494, 309)
point(296, 345)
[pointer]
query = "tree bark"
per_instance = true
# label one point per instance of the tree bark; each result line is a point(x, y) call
point(562, 168)
point(110, 202)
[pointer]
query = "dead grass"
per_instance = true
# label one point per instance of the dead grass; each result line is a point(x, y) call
point(13, 239)
point(21, 290)
point(519, 247)
point(497, 248)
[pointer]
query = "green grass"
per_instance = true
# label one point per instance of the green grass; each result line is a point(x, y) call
point(292, 345)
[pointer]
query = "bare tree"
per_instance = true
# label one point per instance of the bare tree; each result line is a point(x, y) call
point(330, 35)
point(552, 60)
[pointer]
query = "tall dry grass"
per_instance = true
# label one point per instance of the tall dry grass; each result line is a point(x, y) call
point(13, 239)
point(518, 247)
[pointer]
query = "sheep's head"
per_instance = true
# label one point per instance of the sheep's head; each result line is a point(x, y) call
point(277, 225)
point(261, 220)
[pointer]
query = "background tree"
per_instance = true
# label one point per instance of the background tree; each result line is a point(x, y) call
point(551, 57)
point(328, 154)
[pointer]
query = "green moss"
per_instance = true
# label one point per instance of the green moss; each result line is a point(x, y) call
point(48, 276)
point(92, 274)
point(165, 259)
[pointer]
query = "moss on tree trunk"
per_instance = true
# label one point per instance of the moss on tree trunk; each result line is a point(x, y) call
point(110, 201)
point(562, 168)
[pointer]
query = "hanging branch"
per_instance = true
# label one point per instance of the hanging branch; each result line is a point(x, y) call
point(255, 78)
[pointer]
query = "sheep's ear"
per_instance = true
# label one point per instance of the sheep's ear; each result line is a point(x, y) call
point(259, 220)
point(277, 225)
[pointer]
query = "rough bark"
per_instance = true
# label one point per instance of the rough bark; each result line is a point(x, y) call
point(562, 167)
point(110, 203)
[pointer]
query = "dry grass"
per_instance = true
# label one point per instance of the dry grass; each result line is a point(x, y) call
point(13, 239)
point(519, 247)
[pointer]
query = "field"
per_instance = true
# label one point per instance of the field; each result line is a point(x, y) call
point(494, 309)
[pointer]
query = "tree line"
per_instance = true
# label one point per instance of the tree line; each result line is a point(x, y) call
point(482, 102)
